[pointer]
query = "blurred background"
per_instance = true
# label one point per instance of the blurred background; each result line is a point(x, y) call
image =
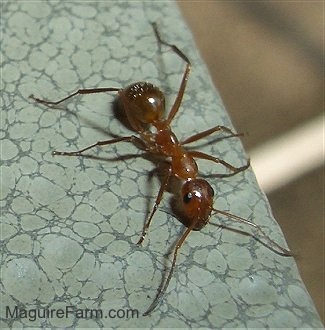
point(267, 60)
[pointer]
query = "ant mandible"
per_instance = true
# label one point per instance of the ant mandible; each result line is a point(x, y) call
point(144, 106)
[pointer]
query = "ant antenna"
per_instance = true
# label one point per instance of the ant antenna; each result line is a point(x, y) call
point(272, 244)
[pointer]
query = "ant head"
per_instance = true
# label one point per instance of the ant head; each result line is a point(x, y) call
point(197, 197)
point(145, 103)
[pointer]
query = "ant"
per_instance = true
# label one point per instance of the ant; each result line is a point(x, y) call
point(144, 106)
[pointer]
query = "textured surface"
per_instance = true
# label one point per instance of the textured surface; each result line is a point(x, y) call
point(69, 224)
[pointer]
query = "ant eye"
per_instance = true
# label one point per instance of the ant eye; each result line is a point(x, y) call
point(187, 197)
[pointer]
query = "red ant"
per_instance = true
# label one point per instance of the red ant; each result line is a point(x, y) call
point(144, 106)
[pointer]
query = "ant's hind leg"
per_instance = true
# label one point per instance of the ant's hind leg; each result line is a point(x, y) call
point(182, 87)
point(173, 47)
point(78, 92)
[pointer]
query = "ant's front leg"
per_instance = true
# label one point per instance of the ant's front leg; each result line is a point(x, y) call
point(162, 189)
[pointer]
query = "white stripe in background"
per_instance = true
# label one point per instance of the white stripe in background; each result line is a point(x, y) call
point(280, 161)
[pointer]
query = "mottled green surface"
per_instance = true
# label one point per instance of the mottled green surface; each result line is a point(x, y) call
point(69, 225)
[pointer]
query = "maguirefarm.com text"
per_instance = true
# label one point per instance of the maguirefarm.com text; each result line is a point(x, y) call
point(34, 314)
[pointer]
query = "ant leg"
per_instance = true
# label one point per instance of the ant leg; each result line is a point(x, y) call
point(202, 155)
point(272, 243)
point(181, 91)
point(155, 207)
point(131, 138)
point(210, 131)
point(79, 91)
point(171, 271)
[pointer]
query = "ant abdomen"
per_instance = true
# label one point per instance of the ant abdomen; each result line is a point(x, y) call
point(197, 199)
point(144, 104)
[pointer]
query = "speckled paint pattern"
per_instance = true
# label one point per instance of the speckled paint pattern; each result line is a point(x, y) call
point(69, 224)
